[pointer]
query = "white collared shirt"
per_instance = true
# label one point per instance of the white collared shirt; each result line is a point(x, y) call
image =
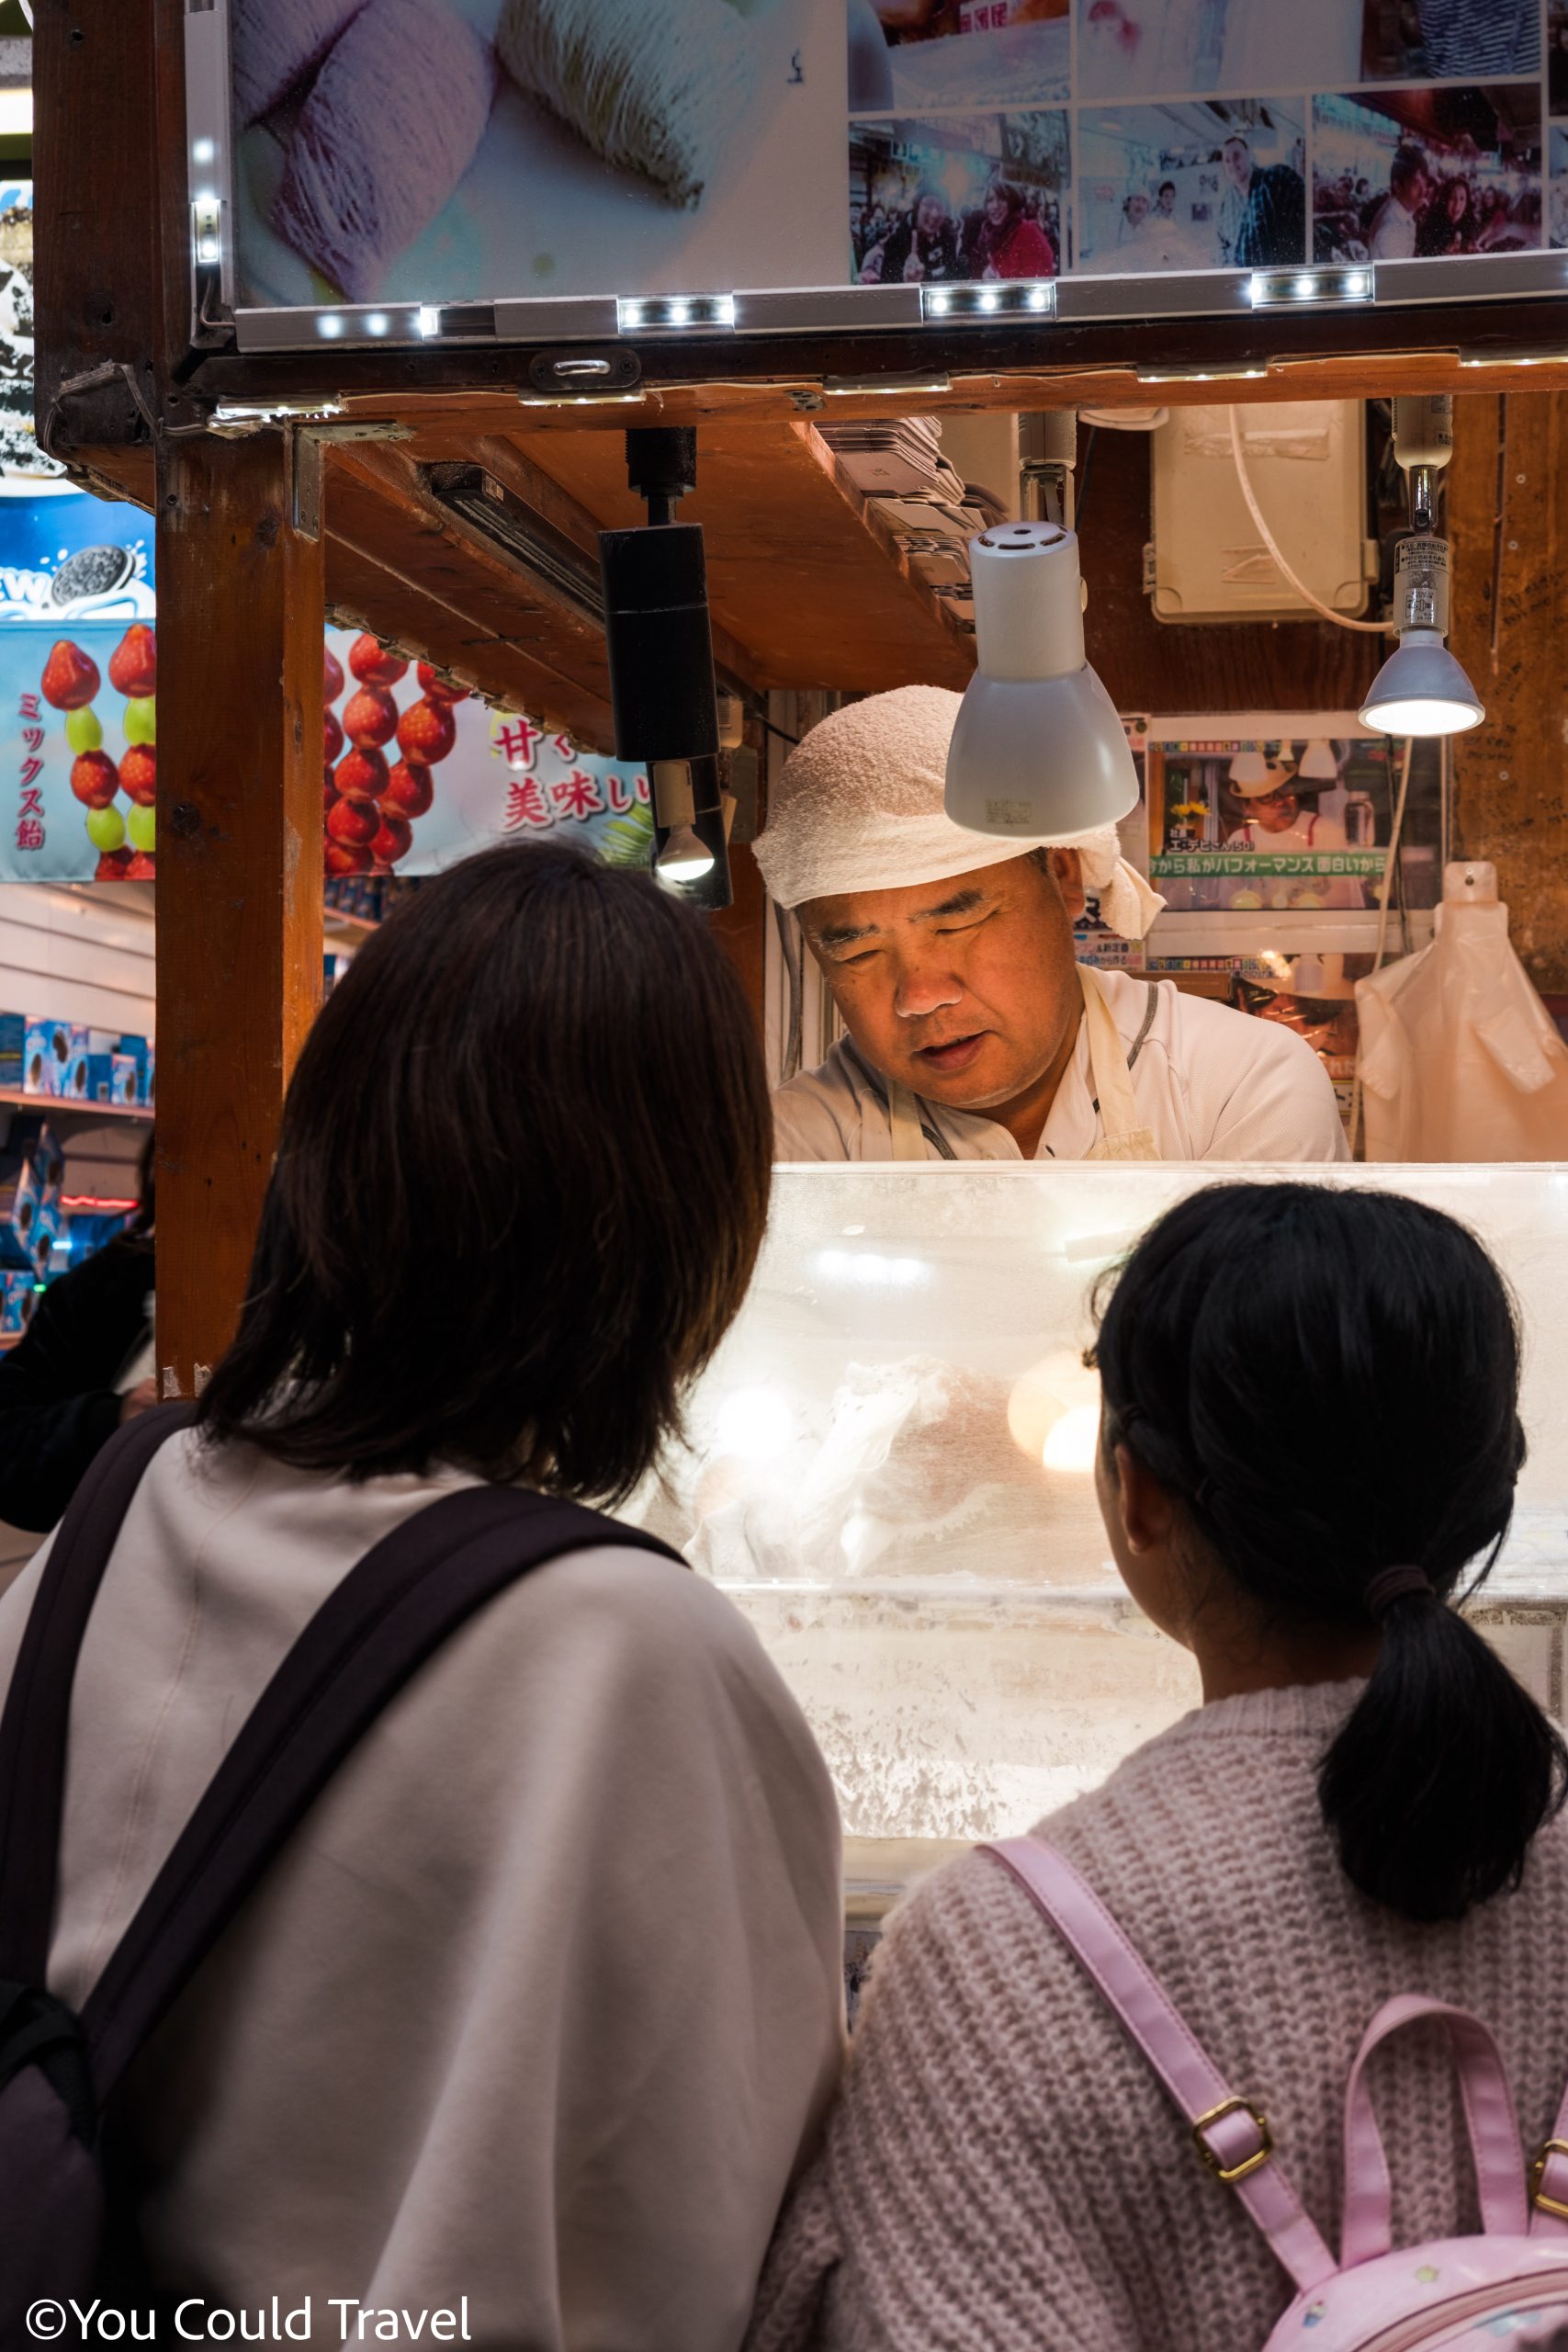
point(1209, 1083)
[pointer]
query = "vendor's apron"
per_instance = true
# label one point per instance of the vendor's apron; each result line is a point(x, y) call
point(1109, 1074)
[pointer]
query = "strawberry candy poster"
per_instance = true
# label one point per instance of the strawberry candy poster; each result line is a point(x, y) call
point(416, 773)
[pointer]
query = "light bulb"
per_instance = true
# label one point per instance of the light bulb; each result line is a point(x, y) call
point(1074, 1441)
point(1038, 752)
point(1421, 689)
point(684, 858)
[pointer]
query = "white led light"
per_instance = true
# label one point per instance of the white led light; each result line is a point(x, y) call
point(1266, 286)
point(205, 203)
point(937, 300)
point(631, 314)
point(377, 322)
point(209, 249)
point(204, 151)
point(330, 325)
point(427, 319)
point(1040, 298)
point(678, 313)
point(988, 300)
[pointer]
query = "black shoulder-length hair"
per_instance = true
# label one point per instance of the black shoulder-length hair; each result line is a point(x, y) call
point(520, 1188)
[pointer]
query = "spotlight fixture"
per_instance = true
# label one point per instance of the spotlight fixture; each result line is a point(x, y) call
point(1273, 286)
point(1421, 688)
point(1020, 297)
point(1038, 750)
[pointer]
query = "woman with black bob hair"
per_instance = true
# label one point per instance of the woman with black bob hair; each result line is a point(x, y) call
point(1367, 1804)
point(537, 2009)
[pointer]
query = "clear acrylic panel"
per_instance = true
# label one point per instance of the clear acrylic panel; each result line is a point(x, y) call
point(891, 1472)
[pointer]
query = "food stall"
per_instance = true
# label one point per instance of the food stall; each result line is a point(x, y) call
point(292, 314)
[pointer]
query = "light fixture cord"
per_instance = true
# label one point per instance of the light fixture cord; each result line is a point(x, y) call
point(1387, 892)
point(1367, 629)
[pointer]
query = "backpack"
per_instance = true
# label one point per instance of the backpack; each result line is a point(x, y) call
point(1508, 2284)
point(67, 2200)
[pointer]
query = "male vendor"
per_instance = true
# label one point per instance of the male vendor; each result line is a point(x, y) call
point(973, 1034)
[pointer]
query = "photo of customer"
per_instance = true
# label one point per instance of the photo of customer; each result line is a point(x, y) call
point(1402, 175)
point(1450, 41)
point(960, 197)
point(1144, 49)
point(913, 53)
point(1193, 187)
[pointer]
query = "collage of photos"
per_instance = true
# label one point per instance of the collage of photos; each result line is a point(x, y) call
point(1185, 135)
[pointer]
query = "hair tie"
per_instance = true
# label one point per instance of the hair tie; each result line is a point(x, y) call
point(1390, 1585)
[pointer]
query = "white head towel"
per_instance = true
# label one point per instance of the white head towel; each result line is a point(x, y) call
point(859, 807)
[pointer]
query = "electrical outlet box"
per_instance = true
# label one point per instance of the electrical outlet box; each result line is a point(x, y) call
point(1307, 463)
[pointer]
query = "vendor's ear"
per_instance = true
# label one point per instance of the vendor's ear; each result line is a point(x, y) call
point(1066, 872)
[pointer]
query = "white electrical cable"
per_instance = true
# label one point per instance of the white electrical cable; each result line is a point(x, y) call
point(1387, 893)
point(1367, 629)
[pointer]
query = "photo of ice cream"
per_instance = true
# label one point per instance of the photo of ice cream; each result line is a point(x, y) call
point(451, 150)
point(910, 54)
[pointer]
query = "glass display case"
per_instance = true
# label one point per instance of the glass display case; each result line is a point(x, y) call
point(890, 1471)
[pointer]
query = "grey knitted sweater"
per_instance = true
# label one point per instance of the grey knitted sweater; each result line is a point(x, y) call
point(1002, 2173)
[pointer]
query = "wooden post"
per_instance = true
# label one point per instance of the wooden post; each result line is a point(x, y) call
point(239, 621)
point(1508, 517)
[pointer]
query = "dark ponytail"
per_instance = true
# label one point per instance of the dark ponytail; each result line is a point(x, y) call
point(1256, 1323)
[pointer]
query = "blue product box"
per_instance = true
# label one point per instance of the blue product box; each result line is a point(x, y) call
point(51, 1244)
point(46, 1051)
point(139, 1051)
point(32, 1169)
point(12, 1049)
point(122, 1080)
point(18, 1299)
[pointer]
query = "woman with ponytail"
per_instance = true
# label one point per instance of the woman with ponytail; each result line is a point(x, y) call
point(1366, 1804)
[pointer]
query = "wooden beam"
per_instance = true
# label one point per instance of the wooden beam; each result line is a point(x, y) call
point(1507, 520)
point(240, 618)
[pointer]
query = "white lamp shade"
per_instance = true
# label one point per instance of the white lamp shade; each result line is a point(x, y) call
point(1249, 767)
point(1422, 690)
point(1038, 752)
point(1319, 764)
point(1041, 758)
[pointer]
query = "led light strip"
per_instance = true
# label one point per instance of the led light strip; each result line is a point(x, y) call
point(638, 314)
point(1270, 286)
point(1018, 298)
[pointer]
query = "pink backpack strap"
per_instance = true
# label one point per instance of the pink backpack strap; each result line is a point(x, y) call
point(1488, 2111)
point(1231, 2135)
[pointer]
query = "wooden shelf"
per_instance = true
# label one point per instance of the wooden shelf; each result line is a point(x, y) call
point(57, 1107)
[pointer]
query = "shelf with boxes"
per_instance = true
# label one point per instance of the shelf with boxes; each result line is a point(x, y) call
point(45, 1060)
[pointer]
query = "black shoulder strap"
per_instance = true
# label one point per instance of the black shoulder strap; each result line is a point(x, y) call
point(38, 1704)
point(389, 1615)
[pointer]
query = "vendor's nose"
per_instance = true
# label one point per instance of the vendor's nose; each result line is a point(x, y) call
point(919, 993)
